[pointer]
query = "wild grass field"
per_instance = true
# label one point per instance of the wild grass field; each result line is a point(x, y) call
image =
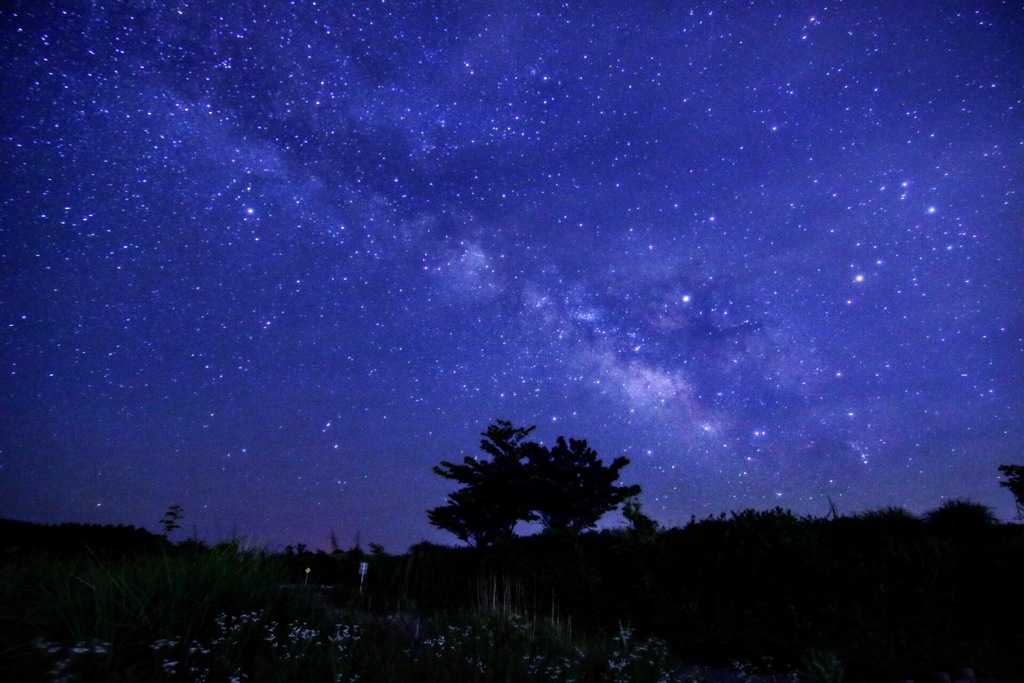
point(884, 595)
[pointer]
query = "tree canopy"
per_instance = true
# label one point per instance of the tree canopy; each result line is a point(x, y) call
point(571, 487)
point(1015, 482)
point(566, 487)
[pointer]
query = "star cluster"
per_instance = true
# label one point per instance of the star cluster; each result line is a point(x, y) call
point(273, 262)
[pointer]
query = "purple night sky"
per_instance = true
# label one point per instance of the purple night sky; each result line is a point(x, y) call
point(274, 261)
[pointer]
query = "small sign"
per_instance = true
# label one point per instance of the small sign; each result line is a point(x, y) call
point(363, 567)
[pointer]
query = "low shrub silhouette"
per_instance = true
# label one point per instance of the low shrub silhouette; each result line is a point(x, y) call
point(961, 517)
point(886, 592)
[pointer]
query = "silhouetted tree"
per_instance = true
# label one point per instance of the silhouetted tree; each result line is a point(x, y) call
point(566, 487)
point(640, 525)
point(571, 487)
point(1015, 482)
point(494, 496)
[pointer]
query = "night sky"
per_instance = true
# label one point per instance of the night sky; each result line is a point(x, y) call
point(274, 261)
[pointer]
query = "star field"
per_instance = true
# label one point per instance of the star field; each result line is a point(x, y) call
point(274, 261)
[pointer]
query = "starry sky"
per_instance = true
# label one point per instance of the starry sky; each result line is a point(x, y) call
point(273, 262)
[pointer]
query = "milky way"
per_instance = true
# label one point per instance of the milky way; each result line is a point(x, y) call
point(273, 262)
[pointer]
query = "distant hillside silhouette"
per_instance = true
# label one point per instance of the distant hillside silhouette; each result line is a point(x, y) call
point(72, 539)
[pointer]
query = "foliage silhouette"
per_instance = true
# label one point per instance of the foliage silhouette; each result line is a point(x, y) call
point(961, 517)
point(1015, 482)
point(71, 539)
point(641, 526)
point(879, 595)
point(494, 496)
point(567, 487)
point(886, 592)
point(571, 488)
point(170, 519)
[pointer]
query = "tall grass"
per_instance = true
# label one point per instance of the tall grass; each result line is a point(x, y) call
point(149, 597)
point(120, 607)
point(224, 614)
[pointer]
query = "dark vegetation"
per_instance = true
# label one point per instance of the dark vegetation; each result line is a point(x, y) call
point(1015, 482)
point(68, 541)
point(880, 595)
point(565, 488)
point(889, 594)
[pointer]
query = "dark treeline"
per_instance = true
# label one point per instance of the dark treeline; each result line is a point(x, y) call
point(71, 539)
point(891, 594)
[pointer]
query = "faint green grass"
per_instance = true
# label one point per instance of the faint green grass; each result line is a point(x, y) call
point(224, 614)
point(125, 605)
point(821, 667)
